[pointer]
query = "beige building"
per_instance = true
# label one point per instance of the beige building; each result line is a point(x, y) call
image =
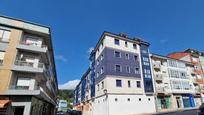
point(28, 82)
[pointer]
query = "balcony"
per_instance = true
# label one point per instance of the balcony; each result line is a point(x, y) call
point(34, 47)
point(158, 77)
point(32, 67)
point(157, 65)
point(160, 89)
point(22, 90)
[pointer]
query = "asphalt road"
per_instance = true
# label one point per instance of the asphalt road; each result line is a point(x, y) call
point(193, 112)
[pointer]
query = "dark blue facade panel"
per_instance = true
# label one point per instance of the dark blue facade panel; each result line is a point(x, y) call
point(110, 61)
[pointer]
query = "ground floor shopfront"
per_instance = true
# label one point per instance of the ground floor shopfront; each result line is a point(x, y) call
point(177, 101)
point(25, 105)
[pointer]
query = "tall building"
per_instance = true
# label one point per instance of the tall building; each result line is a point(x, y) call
point(197, 58)
point(27, 69)
point(174, 83)
point(119, 76)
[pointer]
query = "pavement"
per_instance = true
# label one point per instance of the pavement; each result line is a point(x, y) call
point(185, 112)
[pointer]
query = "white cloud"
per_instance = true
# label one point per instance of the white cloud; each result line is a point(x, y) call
point(61, 58)
point(69, 85)
point(90, 50)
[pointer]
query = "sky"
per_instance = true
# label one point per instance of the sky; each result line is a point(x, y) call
point(168, 25)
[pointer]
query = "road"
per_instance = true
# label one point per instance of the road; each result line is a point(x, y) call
point(193, 112)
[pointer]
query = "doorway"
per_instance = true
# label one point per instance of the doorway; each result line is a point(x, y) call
point(178, 101)
point(19, 110)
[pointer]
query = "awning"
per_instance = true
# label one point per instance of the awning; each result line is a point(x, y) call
point(4, 103)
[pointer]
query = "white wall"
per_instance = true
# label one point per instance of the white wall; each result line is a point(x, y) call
point(108, 41)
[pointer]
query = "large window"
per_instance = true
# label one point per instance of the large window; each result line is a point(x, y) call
point(134, 46)
point(147, 73)
point(146, 61)
point(4, 35)
point(128, 69)
point(173, 73)
point(118, 83)
point(118, 68)
point(117, 54)
point(172, 63)
point(117, 42)
point(137, 70)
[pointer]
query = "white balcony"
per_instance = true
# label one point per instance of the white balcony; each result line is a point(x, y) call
point(160, 89)
point(156, 65)
point(158, 77)
point(32, 47)
point(28, 66)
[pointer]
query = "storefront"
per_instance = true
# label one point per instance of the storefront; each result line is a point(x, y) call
point(163, 102)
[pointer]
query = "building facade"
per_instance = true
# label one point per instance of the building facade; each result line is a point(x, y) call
point(119, 76)
point(27, 69)
point(174, 83)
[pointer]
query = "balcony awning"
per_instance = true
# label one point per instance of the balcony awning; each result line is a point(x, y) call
point(4, 103)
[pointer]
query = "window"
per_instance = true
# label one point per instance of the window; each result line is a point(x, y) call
point(129, 84)
point(98, 74)
point(128, 69)
point(126, 56)
point(116, 99)
point(144, 51)
point(134, 46)
point(173, 73)
point(135, 57)
point(117, 42)
point(4, 35)
point(147, 73)
point(102, 70)
point(183, 75)
point(102, 83)
point(1, 57)
point(98, 87)
point(140, 99)
point(97, 63)
point(117, 54)
point(118, 68)
point(146, 61)
point(118, 83)
point(137, 71)
point(172, 63)
point(126, 44)
point(128, 99)
point(102, 57)
point(149, 99)
point(138, 83)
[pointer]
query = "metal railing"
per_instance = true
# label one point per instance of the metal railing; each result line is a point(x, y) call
point(22, 87)
point(160, 89)
point(29, 64)
point(33, 44)
point(158, 76)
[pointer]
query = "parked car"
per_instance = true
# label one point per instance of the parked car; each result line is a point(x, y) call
point(60, 113)
point(201, 109)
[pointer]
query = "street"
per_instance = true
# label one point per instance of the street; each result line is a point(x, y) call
point(193, 112)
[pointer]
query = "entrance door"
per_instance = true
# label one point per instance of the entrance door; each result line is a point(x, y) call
point(178, 101)
point(18, 110)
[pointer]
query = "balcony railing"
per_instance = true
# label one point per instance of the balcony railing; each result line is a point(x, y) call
point(157, 65)
point(15, 87)
point(158, 77)
point(33, 44)
point(29, 64)
point(160, 89)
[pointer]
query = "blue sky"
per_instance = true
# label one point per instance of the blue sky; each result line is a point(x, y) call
point(169, 25)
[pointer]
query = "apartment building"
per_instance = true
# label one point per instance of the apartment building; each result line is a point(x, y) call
point(174, 83)
point(27, 69)
point(197, 58)
point(119, 76)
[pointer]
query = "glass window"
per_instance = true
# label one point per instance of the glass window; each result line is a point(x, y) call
point(117, 54)
point(117, 42)
point(102, 57)
point(102, 70)
point(126, 44)
point(135, 57)
point(102, 83)
point(128, 69)
point(4, 35)
point(137, 71)
point(138, 84)
point(118, 68)
point(97, 62)
point(129, 85)
point(126, 56)
point(118, 83)
point(134, 46)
